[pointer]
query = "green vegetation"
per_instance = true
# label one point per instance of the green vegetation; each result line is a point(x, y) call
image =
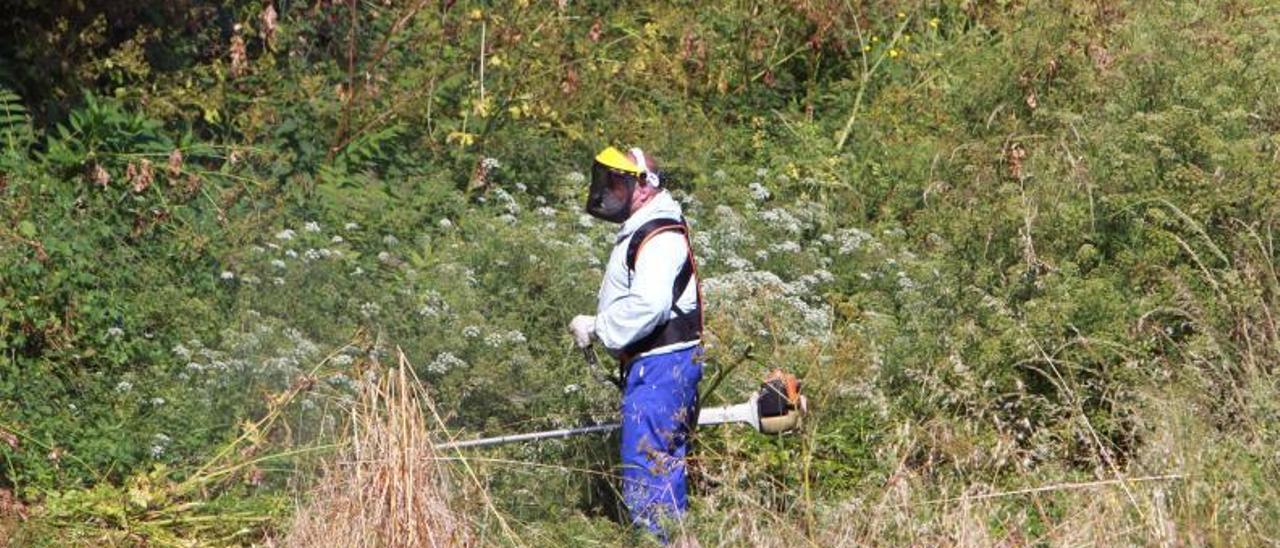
point(1022, 254)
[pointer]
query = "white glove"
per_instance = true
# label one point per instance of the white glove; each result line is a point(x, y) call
point(583, 328)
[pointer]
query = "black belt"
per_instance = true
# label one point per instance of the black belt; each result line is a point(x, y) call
point(685, 327)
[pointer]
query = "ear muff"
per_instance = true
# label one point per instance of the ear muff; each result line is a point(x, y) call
point(642, 162)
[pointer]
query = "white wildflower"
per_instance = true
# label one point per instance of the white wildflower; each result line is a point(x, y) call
point(390, 240)
point(291, 254)
point(851, 239)
point(159, 443)
point(571, 388)
point(342, 360)
point(576, 177)
point(781, 219)
point(115, 332)
point(277, 263)
point(507, 201)
point(471, 331)
point(786, 247)
point(285, 234)
point(384, 256)
point(181, 351)
point(737, 263)
point(124, 387)
point(494, 340)
point(490, 163)
point(311, 226)
point(337, 239)
point(522, 187)
point(351, 226)
point(444, 362)
point(311, 254)
point(277, 281)
point(515, 337)
point(445, 223)
point(905, 282)
point(157, 401)
point(585, 220)
point(547, 211)
point(228, 275)
point(369, 310)
point(759, 192)
point(761, 172)
point(258, 249)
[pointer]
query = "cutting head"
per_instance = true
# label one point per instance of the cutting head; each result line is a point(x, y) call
point(779, 403)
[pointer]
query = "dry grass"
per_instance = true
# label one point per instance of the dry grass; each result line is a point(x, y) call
point(387, 488)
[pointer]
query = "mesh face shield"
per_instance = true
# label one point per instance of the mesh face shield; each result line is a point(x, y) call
point(609, 198)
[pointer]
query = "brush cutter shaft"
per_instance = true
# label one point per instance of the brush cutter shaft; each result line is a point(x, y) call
point(743, 412)
point(776, 408)
point(531, 436)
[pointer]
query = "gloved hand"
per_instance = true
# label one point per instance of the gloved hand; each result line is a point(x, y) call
point(583, 328)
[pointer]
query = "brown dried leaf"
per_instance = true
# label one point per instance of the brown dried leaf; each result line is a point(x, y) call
point(175, 163)
point(596, 30)
point(140, 175)
point(570, 83)
point(269, 18)
point(239, 55)
point(100, 176)
point(1015, 155)
point(1100, 56)
point(9, 439)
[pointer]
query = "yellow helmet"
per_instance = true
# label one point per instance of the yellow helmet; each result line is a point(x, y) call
point(613, 158)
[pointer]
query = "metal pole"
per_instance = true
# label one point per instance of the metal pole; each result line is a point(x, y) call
point(563, 433)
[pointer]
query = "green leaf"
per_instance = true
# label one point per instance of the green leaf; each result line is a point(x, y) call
point(27, 229)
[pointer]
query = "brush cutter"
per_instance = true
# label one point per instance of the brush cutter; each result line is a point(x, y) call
point(775, 408)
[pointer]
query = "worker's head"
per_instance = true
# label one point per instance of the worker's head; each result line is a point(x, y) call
point(621, 183)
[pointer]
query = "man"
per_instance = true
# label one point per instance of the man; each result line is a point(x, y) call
point(649, 316)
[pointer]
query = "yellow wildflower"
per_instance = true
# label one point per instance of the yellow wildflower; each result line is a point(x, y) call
point(461, 137)
point(933, 23)
point(893, 53)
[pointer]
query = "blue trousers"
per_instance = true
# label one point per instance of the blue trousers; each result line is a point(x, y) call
point(658, 404)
